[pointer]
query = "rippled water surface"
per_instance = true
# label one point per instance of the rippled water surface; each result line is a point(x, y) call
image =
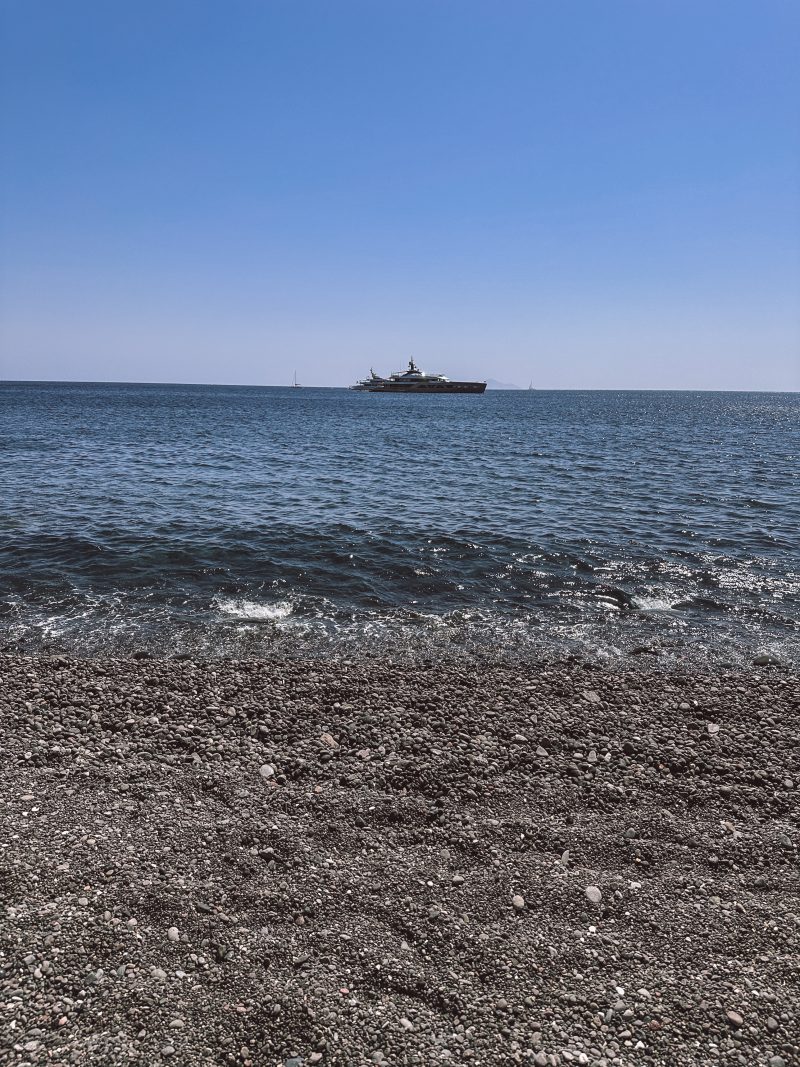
point(656, 527)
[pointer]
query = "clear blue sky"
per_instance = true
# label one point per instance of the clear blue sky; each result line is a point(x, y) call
point(586, 193)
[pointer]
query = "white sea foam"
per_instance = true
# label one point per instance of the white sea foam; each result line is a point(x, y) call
point(252, 611)
point(644, 603)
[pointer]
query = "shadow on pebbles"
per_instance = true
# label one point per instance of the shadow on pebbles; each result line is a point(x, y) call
point(242, 863)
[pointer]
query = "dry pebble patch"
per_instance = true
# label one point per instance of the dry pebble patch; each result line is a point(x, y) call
point(535, 865)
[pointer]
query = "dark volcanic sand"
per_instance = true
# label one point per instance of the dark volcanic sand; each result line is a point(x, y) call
point(349, 864)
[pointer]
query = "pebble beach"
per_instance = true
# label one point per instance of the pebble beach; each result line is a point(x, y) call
point(363, 863)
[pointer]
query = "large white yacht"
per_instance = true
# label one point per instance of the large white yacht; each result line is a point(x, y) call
point(415, 380)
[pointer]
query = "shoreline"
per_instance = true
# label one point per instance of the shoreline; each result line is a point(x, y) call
point(363, 862)
point(640, 660)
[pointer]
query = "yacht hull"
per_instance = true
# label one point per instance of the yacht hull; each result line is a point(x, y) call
point(422, 387)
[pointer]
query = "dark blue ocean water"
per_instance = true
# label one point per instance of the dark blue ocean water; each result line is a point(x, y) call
point(280, 522)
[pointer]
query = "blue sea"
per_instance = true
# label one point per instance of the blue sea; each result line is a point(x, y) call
point(622, 528)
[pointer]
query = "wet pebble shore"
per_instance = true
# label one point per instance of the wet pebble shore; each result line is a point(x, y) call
point(244, 863)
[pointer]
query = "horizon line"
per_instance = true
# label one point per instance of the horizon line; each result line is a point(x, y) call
point(347, 388)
